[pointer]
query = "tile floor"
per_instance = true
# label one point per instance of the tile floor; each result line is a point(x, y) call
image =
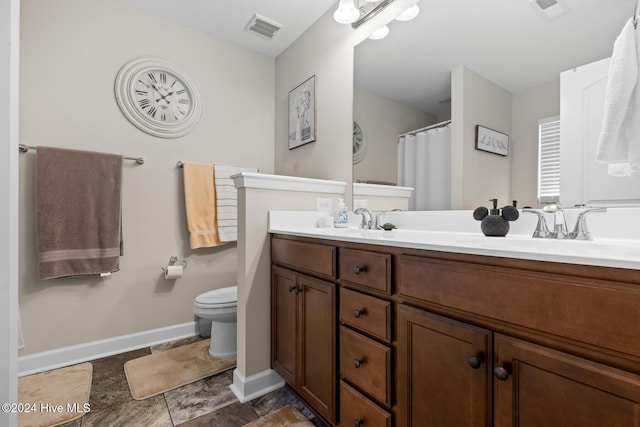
point(208, 402)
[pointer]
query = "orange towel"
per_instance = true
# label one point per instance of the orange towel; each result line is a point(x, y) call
point(200, 203)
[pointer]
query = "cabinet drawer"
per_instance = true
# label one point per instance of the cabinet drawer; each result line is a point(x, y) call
point(307, 257)
point(366, 313)
point(366, 364)
point(369, 269)
point(355, 409)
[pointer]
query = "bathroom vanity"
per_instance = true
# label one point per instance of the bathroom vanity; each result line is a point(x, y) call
point(374, 332)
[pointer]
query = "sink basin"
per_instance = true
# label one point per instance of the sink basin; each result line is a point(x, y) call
point(608, 248)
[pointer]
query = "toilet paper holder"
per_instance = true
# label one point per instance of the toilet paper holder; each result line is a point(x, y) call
point(173, 260)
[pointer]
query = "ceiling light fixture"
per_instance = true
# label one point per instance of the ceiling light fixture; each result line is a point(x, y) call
point(347, 12)
point(409, 13)
point(380, 33)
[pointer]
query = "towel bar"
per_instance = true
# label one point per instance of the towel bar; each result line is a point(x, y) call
point(24, 148)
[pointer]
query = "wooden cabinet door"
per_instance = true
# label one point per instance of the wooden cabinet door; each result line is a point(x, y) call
point(284, 323)
point(318, 377)
point(437, 385)
point(538, 386)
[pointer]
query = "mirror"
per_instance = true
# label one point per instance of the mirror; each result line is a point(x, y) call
point(404, 82)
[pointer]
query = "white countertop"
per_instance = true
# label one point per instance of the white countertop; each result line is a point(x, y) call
point(620, 253)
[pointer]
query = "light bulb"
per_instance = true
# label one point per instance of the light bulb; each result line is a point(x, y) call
point(380, 33)
point(347, 12)
point(409, 13)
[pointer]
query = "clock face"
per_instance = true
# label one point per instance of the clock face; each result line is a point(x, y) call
point(359, 146)
point(157, 98)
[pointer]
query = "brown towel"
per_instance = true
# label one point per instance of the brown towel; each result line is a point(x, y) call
point(200, 203)
point(79, 207)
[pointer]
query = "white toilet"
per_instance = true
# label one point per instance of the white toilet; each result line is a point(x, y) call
point(217, 311)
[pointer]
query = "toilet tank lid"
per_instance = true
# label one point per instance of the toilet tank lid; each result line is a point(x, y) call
point(219, 296)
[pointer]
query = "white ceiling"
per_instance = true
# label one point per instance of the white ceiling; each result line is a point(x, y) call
point(506, 41)
point(226, 19)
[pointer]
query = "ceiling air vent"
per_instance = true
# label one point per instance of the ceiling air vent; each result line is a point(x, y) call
point(550, 9)
point(264, 27)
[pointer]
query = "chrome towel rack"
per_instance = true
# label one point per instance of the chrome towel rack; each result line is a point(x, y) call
point(24, 148)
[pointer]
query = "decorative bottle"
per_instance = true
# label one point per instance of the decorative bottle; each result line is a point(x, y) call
point(341, 217)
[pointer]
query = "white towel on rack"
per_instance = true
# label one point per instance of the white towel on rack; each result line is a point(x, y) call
point(227, 200)
point(619, 142)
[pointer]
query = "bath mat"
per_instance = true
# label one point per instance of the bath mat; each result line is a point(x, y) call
point(284, 417)
point(159, 372)
point(54, 397)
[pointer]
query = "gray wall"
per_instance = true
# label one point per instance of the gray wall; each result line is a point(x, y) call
point(382, 120)
point(71, 51)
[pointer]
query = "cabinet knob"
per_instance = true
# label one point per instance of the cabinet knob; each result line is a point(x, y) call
point(358, 423)
point(291, 288)
point(357, 313)
point(476, 360)
point(359, 269)
point(501, 373)
point(298, 290)
point(358, 362)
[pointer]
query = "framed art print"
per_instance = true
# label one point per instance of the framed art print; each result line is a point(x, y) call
point(492, 141)
point(302, 113)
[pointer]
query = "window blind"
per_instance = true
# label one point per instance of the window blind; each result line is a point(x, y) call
point(549, 159)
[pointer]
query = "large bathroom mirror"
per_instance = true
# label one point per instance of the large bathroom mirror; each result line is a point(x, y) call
point(403, 82)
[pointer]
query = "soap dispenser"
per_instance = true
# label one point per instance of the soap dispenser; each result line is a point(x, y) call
point(341, 217)
point(495, 222)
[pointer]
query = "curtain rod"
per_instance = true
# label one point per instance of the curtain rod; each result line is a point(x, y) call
point(437, 125)
point(24, 148)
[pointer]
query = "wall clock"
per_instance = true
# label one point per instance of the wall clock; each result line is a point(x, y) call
point(157, 97)
point(359, 143)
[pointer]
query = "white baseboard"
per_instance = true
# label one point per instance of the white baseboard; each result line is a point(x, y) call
point(65, 356)
point(256, 385)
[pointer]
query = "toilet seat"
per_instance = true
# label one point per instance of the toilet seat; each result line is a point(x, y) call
point(218, 298)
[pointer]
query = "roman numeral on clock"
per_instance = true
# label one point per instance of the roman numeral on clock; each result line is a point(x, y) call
point(163, 78)
point(152, 111)
point(152, 77)
point(144, 103)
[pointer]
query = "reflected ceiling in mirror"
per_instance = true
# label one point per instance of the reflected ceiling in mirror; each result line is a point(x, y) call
point(509, 42)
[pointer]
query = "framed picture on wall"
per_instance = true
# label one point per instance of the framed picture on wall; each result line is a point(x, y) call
point(302, 113)
point(492, 141)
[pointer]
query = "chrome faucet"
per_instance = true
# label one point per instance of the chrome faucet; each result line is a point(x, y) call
point(542, 230)
point(560, 230)
point(580, 231)
point(366, 217)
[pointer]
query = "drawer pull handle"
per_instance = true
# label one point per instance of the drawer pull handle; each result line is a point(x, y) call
point(501, 373)
point(295, 288)
point(358, 423)
point(359, 269)
point(357, 313)
point(291, 288)
point(476, 360)
point(358, 362)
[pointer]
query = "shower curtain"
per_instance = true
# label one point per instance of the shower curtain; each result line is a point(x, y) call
point(424, 163)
